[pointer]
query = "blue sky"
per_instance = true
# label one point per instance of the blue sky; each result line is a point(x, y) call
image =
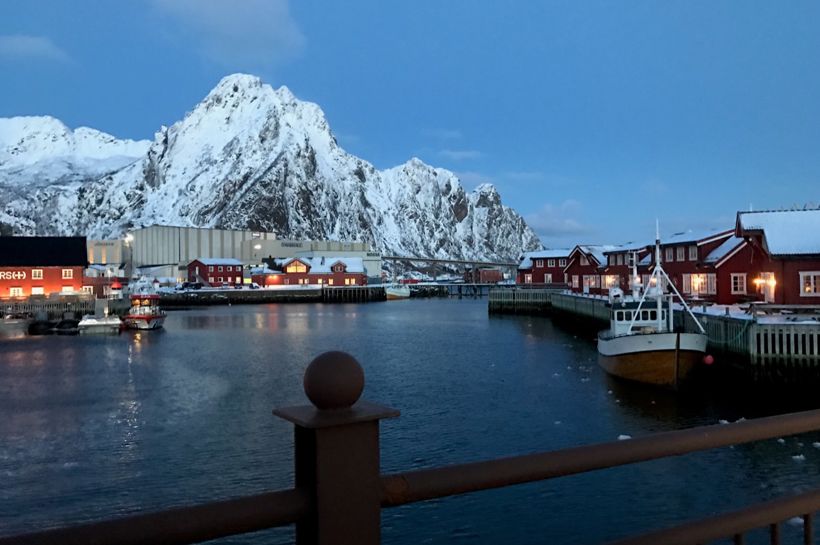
point(591, 118)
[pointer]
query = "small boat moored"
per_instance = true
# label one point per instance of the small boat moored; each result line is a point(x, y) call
point(145, 312)
point(642, 343)
point(91, 324)
point(395, 292)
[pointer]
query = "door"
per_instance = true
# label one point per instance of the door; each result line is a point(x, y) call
point(767, 285)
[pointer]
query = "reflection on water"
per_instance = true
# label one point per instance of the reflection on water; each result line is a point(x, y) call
point(97, 426)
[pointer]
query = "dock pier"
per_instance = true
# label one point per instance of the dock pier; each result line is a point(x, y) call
point(785, 348)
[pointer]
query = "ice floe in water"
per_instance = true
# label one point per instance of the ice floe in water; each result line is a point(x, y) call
point(624, 437)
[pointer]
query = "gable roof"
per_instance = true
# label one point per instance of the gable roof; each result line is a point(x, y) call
point(702, 236)
point(526, 259)
point(43, 251)
point(727, 249)
point(785, 232)
point(595, 251)
point(218, 261)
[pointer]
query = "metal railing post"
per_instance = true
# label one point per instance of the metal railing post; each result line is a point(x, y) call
point(337, 454)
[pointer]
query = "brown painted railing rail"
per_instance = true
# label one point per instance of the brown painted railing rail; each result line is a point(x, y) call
point(339, 491)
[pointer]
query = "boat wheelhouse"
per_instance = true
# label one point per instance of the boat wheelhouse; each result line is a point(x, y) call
point(145, 312)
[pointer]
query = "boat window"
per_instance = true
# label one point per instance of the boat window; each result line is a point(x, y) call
point(644, 315)
point(653, 315)
point(663, 315)
point(628, 315)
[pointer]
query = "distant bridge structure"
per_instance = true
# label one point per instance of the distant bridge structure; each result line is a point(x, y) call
point(459, 264)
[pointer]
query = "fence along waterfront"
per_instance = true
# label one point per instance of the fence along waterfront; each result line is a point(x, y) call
point(339, 492)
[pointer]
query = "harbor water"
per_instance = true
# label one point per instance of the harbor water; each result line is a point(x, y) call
point(96, 427)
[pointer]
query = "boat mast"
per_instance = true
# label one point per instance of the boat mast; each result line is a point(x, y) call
point(659, 299)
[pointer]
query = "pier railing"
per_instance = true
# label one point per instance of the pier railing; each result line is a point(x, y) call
point(339, 491)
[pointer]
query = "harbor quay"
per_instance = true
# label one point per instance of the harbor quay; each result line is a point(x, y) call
point(770, 341)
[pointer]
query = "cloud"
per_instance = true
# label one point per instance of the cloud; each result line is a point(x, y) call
point(20, 47)
point(471, 179)
point(460, 155)
point(558, 220)
point(240, 34)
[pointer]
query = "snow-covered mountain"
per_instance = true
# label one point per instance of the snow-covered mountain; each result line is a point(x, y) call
point(247, 156)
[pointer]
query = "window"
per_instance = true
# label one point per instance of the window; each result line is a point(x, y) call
point(575, 281)
point(619, 260)
point(681, 253)
point(36, 274)
point(210, 279)
point(562, 262)
point(37, 290)
point(539, 262)
point(330, 281)
point(528, 279)
point(68, 289)
point(68, 274)
point(668, 258)
point(238, 279)
point(321, 281)
point(548, 278)
point(700, 284)
point(810, 284)
point(584, 260)
point(353, 281)
point(592, 281)
point(738, 283)
point(612, 281)
point(16, 292)
point(210, 268)
point(347, 281)
point(229, 269)
point(220, 268)
point(88, 289)
point(296, 267)
point(550, 263)
point(693, 253)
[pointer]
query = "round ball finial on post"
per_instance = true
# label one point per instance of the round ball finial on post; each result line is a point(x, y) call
point(334, 380)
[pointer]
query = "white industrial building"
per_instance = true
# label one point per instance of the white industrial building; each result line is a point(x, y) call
point(166, 251)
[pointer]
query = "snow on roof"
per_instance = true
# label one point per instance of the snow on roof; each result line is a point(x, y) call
point(322, 265)
point(720, 252)
point(693, 236)
point(526, 259)
point(598, 251)
point(787, 232)
point(218, 261)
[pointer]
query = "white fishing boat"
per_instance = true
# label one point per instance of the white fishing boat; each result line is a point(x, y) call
point(98, 325)
point(397, 291)
point(145, 312)
point(642, 343)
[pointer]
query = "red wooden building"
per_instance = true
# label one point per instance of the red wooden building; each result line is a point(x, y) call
point(585, 269)
point(41, 265)
point(331, 271)
point(783, 249)
point(542, 267)
point(618, 270)
point(215, 271)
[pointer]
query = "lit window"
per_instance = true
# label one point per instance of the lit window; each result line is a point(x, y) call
point(296, 267)
point(330, 281)
point(681, 253)
point(16, 292)
point(738, 283)
point(693, 253)
point(809, 284)
point(88, 289)
point(612, 281)
point(347, 281)
point(68, 289)
point(68, 274)
point(528, 279)
point(353, 281)
point(36, 274)
point(37, 290)
point(238, 279)
point(575, 281)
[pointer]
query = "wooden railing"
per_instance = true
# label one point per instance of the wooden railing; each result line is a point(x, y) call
point(339, 491)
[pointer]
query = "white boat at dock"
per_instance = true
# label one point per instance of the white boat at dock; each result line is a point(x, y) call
point(642, 343)
point(395, 292)
point(100, 325)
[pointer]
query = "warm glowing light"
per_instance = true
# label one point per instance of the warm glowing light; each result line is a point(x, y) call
point(257, 246)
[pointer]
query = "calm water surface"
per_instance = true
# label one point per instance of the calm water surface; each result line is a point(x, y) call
point(94, 427)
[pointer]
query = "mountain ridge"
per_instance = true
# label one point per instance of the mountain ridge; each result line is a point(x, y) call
point(251, 156)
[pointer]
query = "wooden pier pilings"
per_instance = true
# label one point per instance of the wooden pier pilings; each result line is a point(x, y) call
point(352, 294)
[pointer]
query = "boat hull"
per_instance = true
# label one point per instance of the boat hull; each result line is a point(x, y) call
point(394, 293)
point(663, 359)
point(144, 322)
